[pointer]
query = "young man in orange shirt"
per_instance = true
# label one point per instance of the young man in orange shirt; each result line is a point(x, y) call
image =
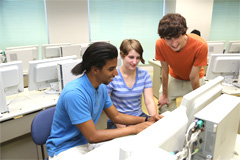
point(182, 59)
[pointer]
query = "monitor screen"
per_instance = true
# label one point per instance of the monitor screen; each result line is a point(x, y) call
point(35, 54)
point(226, 65)
point(71, 50)
point(12, 77)
point(52, 50)
point(25, 55)
point(215, 47)
point(43, 73)
point(233, 47)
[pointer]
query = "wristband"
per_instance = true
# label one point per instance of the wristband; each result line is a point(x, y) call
point(146, 119)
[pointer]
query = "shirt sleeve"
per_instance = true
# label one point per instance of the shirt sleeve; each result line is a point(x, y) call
point(108, 102)
point(77, 107)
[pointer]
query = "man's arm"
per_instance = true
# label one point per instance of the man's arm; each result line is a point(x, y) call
point(93, 135)
point(163, 99)
point(194, 77)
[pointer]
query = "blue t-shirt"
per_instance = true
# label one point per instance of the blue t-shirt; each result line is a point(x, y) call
point(78, 102)
point(128, 100)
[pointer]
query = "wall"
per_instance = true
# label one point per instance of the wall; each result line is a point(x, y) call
point(198, 14)
point(67, 21)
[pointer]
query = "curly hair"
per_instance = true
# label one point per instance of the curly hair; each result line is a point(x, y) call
point(172, 25)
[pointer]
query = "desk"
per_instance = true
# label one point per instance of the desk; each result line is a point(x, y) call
point(232, 90)
point(15, 139)
point(157, 76)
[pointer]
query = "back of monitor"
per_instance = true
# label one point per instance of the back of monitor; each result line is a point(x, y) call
point(64, 72)
point(3, 103)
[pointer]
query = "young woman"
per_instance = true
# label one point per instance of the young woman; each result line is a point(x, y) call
point(127, 87)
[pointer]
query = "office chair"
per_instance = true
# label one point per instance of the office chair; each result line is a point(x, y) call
point(41, 127)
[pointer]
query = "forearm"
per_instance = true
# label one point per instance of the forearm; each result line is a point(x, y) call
point(109, 134)
point(127, 119)
point(152, 110)
point(194, 77)
point(165, 82)
point(195, 82)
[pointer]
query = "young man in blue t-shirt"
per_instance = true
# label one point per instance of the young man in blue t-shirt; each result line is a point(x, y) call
point(82, 102)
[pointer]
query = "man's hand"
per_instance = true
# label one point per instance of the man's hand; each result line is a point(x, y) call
point(162, 100)
point(141, 126)
point(155, 118)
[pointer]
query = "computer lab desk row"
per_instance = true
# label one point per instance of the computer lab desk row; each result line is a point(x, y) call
point(15, 126)
point(15, 138)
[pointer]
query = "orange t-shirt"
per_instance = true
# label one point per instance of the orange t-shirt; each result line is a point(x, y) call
point(194, 53)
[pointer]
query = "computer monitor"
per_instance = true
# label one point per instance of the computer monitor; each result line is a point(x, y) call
point(226, 65)
point(43, 74)
point(52, 50)
point(64, 72)
point(201, 97)
point(3, 103)
point(12, 77)
point(70, 50)
point(215, 47)
point(84, 47)
point(169, 132)
point(166, 133)
point(233, 47)
point(35, 54)
point(107, 41)
point(25, 55)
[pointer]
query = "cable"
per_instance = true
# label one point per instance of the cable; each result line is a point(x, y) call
point(190, 137)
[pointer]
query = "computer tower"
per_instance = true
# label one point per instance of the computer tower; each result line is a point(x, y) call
point(216, 140)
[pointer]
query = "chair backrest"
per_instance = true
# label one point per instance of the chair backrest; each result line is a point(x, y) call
point(41, 126)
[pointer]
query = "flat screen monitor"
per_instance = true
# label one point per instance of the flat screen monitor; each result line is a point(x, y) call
point(64, 72)
point(84, 47)
point(52, 50)
point(169, 132)
point(201, 97)
point(107, 41)
point(215, 47)
point(166, 133)
point(3, 103)
point(226, 65)
point(233, 47)
point(71, 50)
point(43, 73)
point(12, 77)
point(35, 54)
point(25, 55)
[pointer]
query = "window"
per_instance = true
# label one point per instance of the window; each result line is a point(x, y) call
point(116, 20)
